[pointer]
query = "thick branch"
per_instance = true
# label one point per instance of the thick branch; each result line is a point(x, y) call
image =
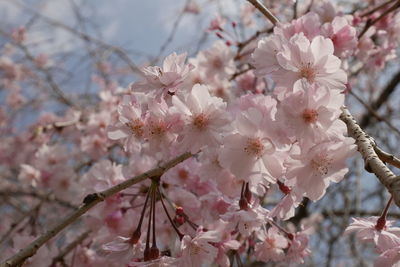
point(88, 202)
point(372, 161)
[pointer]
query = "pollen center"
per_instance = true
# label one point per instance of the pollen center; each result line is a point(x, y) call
point(136, 127)
point(254, 147)
point(200, 122)
point(217, 63)
point(310, 115)
point(271, 242)
point(308, 73)
point(321, 164)
point(157, 129)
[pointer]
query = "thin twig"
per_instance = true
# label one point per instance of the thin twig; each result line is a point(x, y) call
point(89, 201)
point(376, 8)
point(384, 96)
point(243, 44)
point(268, 14)
point(372, 22)
point(43, 197)
point(18, 222)
point(171, 35)
point(117, 50)
point(49, 78)
point(69, 248)
point(373, 113)
point(386, 157)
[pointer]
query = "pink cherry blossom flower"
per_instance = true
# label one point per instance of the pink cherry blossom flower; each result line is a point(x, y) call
point(248, 82)
point(10, 71)
point(298, 248)
point(309, 25)
point(169, 78)
point(102, 176)
point(186, 199)
point(204, 118)
point(342, 34)
point(123, 249)
point(309, 112)
point(285, 209)
point(161, 125)
point(313, 61)
point(264, 56)
point(390, 257)
point(19, 34)
point(218, 204)
point(245, 221)
point(221, 88)
point(29, 175)
point(211, 169)
point(131, 124)
point(249, 153)
point(217, 62)
point(198, 251)
point(325, 10)
point(226, 243)
point(318, 166)
point(387, 238)
point(272, 245)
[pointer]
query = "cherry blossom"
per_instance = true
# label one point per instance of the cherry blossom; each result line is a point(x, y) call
point(272, 245)
point(310, 112)
point(249, 153)
point(204, 121)
point(198, 250)
point(313, 61)
point(342, 34)
point(131, 126)
point(319, 165)
point(251, 122)
point(166, 79)
point(216, 62)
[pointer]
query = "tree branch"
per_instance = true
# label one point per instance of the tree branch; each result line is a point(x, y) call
point(390, 88)
point(386, 157)
point(372, 22)
point(41, 196)
point(268, 14)
point(117, 50)
point(372, 161)
point(69, 247)
point(89, 201)
point(372, 112)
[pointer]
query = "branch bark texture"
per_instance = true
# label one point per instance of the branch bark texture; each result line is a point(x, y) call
point(372, 161)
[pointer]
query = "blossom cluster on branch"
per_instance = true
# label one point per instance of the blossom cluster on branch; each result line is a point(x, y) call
point(260, 119)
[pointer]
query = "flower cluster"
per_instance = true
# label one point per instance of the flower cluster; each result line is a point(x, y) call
point(260, 119)
point(292, 139)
